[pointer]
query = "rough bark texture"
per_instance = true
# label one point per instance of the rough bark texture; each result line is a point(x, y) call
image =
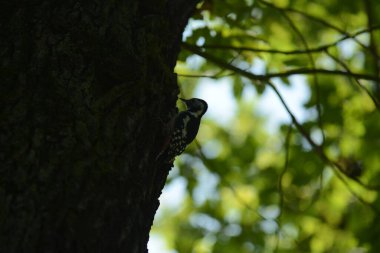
point(86, 87)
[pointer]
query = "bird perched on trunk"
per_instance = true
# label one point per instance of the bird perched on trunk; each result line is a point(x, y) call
point(184, 129)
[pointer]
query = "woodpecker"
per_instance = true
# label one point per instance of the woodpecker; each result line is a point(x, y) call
point(185, 128)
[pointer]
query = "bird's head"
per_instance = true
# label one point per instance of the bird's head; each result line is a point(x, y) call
point(196, 106)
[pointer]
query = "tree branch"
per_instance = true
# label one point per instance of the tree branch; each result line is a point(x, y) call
point(280, 189)
point(373, 47)
point(318, 49)
point(305, 71)
point(315, 78)
point(317, 20)
point(336, 168)
point(265, 79)
point(340, 62)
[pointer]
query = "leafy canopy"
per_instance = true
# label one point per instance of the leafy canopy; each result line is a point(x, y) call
point(310, 185)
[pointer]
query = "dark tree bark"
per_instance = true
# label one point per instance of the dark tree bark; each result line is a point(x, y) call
point(86, 89)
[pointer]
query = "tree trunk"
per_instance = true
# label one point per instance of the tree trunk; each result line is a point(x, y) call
point(86, 89)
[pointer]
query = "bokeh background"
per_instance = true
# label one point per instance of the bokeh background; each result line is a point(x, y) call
point(287, 158)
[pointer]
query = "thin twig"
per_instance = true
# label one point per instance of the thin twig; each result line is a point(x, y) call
point(373, 47)
point(280, 189)
point(315, 78)
point(218, 75)
point(361, 86)
point(318, 49)
point(215, 76)
point(266, 79)
point(318, 150)
point(318, 20)
point(300, 71)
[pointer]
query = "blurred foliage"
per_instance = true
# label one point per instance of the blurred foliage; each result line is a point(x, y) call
point(310, 185)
